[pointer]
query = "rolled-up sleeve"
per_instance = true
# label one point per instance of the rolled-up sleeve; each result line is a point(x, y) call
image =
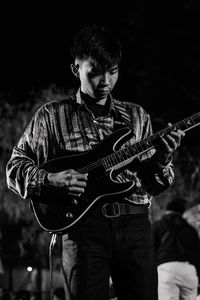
point(23, 174)
point(155, 177)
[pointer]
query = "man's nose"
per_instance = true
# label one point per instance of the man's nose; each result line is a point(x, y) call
point(105, 78)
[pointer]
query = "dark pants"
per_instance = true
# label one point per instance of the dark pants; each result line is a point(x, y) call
point(102, 247)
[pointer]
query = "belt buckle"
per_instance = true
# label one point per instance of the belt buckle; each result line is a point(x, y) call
point(114, 207)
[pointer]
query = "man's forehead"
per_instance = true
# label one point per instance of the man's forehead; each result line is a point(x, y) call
point(96, 65)
point(93, 65)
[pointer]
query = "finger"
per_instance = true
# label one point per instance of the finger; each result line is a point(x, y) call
point(67, 183)
point(70, 171)
point(79, 176)
point(176, 130)
point(73, 178)
point(75, 189)
point(74, 194)
point(75, 182)
point(182, 133)
point(172, 142)
point(67, 179)
point(176, 136)
point(166, 145)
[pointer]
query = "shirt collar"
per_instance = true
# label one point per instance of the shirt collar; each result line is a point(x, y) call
point(111, 104)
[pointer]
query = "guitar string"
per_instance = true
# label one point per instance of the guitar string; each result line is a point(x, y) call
point(146, 142)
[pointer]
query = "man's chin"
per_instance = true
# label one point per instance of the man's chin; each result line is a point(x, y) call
point(101, 94)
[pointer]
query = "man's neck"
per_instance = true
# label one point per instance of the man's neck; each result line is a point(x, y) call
point(91, 100)
point(97, 107)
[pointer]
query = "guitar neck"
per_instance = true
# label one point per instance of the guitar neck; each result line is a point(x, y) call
point(140, 147)
point(183, 125)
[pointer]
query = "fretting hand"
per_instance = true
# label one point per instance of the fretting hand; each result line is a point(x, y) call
point(168, 144)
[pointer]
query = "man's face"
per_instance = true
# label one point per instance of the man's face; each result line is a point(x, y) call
point(94, 83)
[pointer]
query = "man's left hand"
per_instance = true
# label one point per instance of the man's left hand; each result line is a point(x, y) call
point(168, 144)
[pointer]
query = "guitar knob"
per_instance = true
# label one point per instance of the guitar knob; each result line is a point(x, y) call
point(69, 215)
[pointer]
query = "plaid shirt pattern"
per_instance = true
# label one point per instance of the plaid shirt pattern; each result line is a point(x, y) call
point(68, 125)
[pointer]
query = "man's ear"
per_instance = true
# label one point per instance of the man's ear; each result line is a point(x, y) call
point(75, 70)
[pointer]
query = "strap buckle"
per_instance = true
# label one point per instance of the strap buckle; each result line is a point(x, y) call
point(111, 210)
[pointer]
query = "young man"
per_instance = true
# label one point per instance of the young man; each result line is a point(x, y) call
point(114, 239)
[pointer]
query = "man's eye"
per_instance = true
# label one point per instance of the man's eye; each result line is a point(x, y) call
point(93, 74)
point(113, 72)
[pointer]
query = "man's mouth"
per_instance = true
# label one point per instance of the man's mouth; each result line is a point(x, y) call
point(104, 90)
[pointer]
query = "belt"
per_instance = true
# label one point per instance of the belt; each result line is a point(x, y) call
point(116, 209)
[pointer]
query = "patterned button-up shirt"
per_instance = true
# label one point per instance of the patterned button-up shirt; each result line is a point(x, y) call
point(69, 125)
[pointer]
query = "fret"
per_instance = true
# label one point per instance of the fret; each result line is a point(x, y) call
point(138, 147)
point(189, 122)
point(197, 116)
point(148, 142)
point(185, 124)
point(123, 154)
point(132, 150)
point(106, 163)
point(126, 153)
point(111, 160)
point(119, 156)
point(155, 138)
point(115, 158)
point(128, 150)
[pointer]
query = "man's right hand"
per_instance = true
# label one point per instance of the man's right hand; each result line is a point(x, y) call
point(73, 181)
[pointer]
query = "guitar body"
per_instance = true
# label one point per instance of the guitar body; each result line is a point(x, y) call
point(57, 211)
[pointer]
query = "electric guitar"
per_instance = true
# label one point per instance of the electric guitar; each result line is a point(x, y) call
point(58, 212)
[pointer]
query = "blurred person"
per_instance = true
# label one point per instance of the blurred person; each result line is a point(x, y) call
point(177, 248)
point(2, 271)
point(114, 239)
point(22, 295)
point(5, 294)
point(59, 294)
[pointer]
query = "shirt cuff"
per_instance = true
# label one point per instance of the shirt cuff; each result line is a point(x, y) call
point(41, 180)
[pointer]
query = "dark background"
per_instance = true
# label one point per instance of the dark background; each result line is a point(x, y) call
point(160, 67)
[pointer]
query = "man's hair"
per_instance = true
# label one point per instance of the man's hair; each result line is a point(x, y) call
point(99, 44)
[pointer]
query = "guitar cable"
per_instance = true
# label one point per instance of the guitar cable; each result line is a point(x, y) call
point(51, 247)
